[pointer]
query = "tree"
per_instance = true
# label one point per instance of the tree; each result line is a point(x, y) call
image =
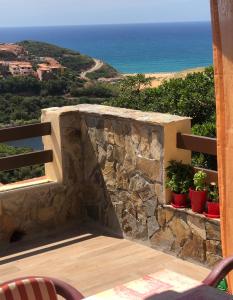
point(131, 92)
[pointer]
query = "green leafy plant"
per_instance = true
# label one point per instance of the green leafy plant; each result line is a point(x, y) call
point(179, 177)
point(199, 180)
point(213, 192)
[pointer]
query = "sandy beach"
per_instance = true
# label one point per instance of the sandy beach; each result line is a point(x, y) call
point(158, 78)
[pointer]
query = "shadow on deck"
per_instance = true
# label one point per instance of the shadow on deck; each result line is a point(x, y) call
point(90, 259)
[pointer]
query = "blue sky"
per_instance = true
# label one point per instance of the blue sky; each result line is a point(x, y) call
point(82, 12)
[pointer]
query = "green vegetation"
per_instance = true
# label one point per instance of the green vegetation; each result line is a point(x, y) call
point(106, 71)
point(76, 63)
point(205, 129)
point(213, 192)
point(131, 93)
point(24, 110)
point(20, 85)
point(18, 174)
point(40, 49)
point(199, 181)
point(179, 177)
point(22, 98)
point(94, 89)
point(200, 159)
point(70, 59)
point(192, 96)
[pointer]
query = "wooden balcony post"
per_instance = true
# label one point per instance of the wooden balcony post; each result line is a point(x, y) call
point(222, 25)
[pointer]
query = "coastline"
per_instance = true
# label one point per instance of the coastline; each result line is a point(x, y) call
point(159, 78)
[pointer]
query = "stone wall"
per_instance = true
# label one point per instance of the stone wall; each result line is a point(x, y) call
point(188, 235)
point(125, 155)
point(124, 162)
point(36, 208)
point(29, 210)
point(109, 166)
point(123, 173)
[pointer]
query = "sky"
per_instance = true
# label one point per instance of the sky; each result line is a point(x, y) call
point(84, 12)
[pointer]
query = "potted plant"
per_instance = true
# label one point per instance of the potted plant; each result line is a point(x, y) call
point(199, 194)
point(213, 210)
point(179, 179)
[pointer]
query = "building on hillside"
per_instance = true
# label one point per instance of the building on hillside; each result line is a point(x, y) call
point(21, 68)
point(44, 72)
point(49, 68)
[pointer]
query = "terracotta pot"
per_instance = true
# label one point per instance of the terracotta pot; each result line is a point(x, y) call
point(198, 201)
point(213, 208)
point(190, 193)
point(180, 199)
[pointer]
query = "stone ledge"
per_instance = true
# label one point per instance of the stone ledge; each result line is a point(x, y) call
point(127, 114)
point(190, 212)
point(21, 186)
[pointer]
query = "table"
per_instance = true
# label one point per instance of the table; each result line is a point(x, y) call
point(162, 285)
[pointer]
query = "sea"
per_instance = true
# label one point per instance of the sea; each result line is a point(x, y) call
point(131, 48)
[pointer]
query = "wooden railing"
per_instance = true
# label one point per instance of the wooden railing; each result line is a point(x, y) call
point(26, 159)
point(201, 144)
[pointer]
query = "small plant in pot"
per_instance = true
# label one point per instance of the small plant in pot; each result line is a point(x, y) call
point(199, 194)
point(213, 210)
point(179, 179)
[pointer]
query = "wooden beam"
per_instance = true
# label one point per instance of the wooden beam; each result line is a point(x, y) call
point(27, 159)
point(24, 132)
point(197, 143)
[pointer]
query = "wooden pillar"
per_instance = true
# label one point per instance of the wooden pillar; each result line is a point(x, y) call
point(222, 25)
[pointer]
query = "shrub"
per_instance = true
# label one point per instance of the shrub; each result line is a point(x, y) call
point(20, 85)
point(105, 71)
point(205, 129)
point(54, 87)
point(93, 90)
point(200, 159)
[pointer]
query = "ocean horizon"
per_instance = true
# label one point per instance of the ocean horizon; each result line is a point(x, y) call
point(130, 48)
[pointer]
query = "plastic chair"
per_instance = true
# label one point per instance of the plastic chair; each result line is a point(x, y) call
point(37, 288)
point(219, 272)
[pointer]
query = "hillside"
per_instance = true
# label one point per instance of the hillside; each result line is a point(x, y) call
point(72, 60)
point(35, 75)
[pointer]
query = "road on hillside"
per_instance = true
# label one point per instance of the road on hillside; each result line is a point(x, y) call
point(96, 67)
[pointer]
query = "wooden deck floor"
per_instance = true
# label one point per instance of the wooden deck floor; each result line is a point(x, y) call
point(91, 262)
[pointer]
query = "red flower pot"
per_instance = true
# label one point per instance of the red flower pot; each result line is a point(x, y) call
point(179, 200)
point(213, 208)
point(190, 193)
point(198, 201)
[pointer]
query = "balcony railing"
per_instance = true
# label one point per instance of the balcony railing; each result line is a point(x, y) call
point(200, 144)
point(30, 158)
